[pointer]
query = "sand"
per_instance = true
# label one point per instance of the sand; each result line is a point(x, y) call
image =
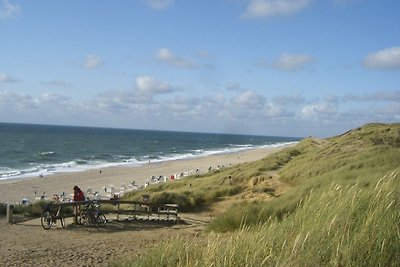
point(28, 244)
point(14, 190)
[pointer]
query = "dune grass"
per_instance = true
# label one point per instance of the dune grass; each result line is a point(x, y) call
point(343, 226)
point(32, 210)
point(342, 208)
point(355, 158)
point(195, 192)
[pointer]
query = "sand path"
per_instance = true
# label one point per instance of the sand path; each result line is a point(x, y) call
point(28, 244)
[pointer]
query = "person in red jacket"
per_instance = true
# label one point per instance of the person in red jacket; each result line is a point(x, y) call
point(78, 196)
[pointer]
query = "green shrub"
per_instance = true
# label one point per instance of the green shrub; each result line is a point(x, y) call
point(186, 200)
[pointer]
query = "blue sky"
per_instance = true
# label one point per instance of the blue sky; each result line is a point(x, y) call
point(269, 67)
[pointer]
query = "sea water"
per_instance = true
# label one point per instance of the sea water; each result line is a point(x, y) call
point(28, 150)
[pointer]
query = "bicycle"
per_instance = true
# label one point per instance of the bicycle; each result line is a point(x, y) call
point(92, 215)
point(49, 218)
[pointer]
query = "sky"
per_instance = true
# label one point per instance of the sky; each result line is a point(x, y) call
point(265, 67)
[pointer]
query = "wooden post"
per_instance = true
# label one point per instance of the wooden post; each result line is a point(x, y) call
point(10, 209)
point(75, 213)
point(118, 213)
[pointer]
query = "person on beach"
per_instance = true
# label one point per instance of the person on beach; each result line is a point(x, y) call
point(78, 196)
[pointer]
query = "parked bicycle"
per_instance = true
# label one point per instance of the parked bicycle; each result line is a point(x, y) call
point(91, 215)
point(49, 217)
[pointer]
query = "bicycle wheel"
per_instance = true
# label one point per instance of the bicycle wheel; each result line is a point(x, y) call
point(46, 220)
point(87, 219)
point(101, 219)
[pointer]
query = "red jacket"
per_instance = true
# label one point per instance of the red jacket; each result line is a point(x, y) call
point(79, 196)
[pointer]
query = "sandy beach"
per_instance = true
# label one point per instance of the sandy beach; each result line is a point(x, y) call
point(14, 190)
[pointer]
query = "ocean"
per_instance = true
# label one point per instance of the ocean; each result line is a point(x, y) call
point(28, 150)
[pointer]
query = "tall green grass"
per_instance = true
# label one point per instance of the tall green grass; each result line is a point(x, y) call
point(342, 208)
point(355, 158)
point(342, 226)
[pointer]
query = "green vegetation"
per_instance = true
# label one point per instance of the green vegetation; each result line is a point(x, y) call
point(31, 210)
point(353, 158)
point(195, 192)
point(341, 207)
point(344, 226)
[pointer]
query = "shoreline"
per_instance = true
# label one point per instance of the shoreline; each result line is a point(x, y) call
point(71, 166)
point(14, 190)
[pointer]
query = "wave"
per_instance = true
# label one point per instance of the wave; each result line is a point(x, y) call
point(103, 161)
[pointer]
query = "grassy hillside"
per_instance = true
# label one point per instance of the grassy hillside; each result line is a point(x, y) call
point(324, 202)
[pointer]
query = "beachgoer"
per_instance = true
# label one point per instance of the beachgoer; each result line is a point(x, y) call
point(78, 196)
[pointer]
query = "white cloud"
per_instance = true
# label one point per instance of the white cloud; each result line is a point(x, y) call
point(321, 111)
point(8, 10)
point(92, 61)
point(385, 59)
point(249, 98)
point(165, 55)
point(31, 104)
point(273, 110)
point(290, 62)
point(159, 4)
point(150, 85)
point(52, 99)
point(4, 78)
point(269, 8)
point(120, 101)
point(287, 115)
